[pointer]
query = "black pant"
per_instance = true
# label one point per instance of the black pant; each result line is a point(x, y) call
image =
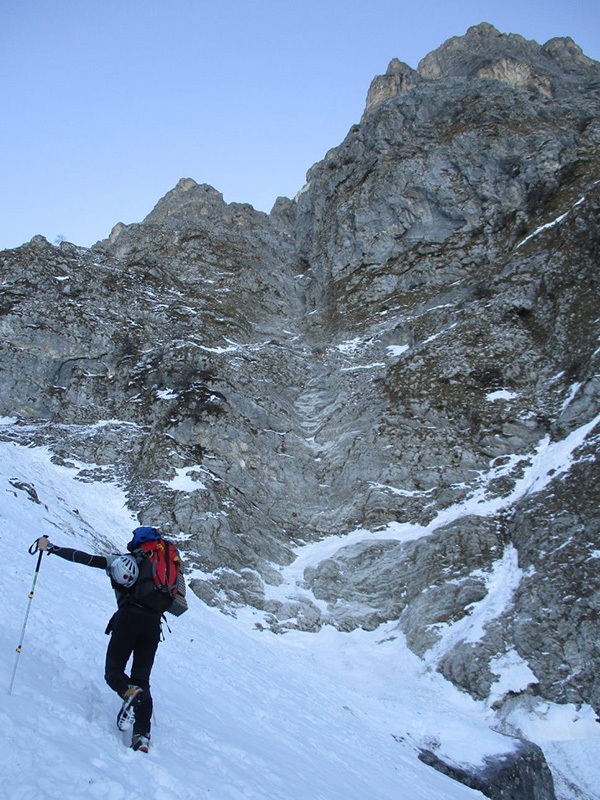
point(133, 630)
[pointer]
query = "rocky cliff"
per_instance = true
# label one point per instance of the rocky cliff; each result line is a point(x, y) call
point(401, 362)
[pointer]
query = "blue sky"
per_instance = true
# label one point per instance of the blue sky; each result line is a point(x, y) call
point(106, 104)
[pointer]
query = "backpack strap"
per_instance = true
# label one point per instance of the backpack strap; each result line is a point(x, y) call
point(141, 554)
point(171, 563)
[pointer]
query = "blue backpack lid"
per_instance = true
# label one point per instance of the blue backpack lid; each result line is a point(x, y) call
point(145, 533)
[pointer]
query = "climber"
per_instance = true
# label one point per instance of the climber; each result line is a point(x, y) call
point(135, 628)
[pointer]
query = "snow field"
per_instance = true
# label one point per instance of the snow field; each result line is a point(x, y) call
point(240, 714)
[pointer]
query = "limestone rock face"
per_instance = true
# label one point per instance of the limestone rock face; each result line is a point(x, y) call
point(484, 52)
point(398, 78)
point(404, 357)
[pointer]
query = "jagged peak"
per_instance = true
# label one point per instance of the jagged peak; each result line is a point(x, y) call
point(463, 56)
point(484, 52)
point(566, 52)
point(190, 205)
point(187, 195)
point(399, 77)
point(483, 29)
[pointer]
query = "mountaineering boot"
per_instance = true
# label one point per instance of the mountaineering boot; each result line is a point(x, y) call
point(131, 699)
point(140, 742)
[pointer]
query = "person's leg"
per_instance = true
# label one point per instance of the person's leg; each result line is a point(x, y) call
point(144, 652)
point(120, 647)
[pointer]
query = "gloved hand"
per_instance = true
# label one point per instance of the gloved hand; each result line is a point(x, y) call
point(44, 543)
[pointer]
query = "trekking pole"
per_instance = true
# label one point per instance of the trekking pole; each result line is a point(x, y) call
point(32, 550)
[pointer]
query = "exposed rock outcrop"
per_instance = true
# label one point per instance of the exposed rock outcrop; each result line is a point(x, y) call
point(520, 774)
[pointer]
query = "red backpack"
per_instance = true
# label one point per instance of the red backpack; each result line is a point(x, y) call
point(160, 583)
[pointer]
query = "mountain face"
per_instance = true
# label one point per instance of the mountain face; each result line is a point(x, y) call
point(404, 357)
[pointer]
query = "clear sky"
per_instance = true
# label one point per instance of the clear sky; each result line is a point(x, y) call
point(106, 104)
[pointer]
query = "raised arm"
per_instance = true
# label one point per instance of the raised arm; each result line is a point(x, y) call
point(77, 556)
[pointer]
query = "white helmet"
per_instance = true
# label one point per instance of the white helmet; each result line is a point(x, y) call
point(124, 570)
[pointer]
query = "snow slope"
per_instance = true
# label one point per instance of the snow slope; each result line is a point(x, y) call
point(239, 712)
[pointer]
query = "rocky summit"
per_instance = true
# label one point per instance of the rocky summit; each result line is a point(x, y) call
point(397, 369)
